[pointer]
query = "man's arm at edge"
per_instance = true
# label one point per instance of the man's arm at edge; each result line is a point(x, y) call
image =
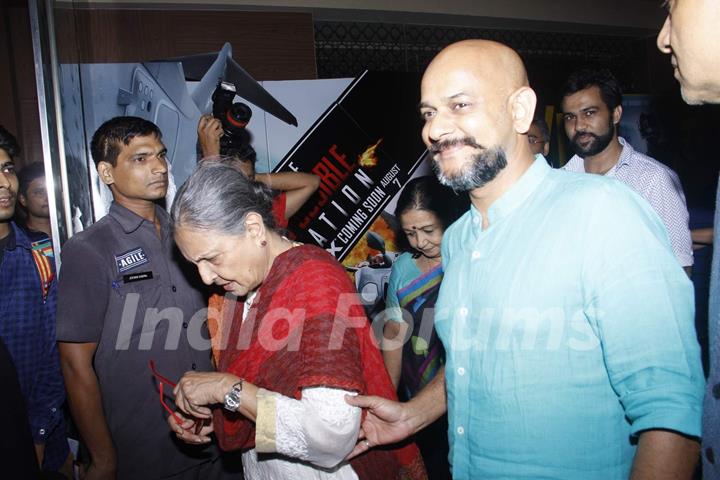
point(429, 404)
point(665, 455)
point(85, 400)
point(298, 187)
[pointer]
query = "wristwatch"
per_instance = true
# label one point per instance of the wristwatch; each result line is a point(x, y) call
point(233, 399)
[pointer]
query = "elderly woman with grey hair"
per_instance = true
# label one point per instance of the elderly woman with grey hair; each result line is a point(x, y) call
point(298, 344)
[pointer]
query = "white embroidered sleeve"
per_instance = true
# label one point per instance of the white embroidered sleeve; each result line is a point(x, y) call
point(320, 428)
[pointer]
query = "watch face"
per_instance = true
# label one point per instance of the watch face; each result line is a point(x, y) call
point(233, 397)
point(232, 400)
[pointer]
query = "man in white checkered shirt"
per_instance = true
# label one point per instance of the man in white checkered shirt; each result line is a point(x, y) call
point(592, 110)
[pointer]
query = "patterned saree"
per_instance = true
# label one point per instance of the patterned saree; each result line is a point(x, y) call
point(423, 356)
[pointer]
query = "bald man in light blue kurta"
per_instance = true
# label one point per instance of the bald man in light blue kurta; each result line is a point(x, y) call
point(567, 321)
point(568, 326)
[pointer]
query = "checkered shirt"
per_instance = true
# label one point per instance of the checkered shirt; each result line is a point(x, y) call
point(27, 327)
point(660, 186)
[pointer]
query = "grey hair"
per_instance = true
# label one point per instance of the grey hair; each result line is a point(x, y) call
point(218, 197)
point(229, 160)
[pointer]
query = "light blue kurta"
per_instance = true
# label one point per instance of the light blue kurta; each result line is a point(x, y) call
point(568, 326)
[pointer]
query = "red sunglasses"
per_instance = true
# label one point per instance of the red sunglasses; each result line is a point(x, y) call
point(198, 423)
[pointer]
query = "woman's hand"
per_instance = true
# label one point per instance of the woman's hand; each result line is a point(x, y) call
point(195, 390)
point(187, 432)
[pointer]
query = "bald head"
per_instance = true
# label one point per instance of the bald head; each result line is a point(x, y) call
point(491, 70)
point(493, 64)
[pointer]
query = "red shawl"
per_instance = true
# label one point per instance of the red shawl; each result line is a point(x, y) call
point(279, 205)
point(306, 328)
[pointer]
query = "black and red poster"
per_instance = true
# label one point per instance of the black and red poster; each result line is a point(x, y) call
point(364, 148)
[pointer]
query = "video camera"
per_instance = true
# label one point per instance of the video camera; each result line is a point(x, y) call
point(233, 116)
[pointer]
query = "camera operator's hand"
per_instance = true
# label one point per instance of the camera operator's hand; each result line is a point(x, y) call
point(209, 132)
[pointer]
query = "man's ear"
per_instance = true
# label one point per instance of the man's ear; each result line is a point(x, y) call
point(22, 200)
point(522, 107)
point(617, 115)
point(105, 172)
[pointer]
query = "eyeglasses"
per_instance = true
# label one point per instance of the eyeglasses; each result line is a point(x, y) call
point(198, 423)
point(533, 139)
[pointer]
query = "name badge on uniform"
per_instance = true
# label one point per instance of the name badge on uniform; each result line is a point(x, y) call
point(129, 260)
point(136, 277)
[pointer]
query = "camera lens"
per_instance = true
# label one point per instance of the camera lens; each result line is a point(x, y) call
point(239, 114)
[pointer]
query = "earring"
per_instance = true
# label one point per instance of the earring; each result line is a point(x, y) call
point(263, 243)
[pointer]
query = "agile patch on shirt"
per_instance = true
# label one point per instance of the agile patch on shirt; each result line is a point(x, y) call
point(136, 277)
point(129, 260)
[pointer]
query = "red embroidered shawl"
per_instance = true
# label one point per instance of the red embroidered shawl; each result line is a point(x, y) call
point(306, 328)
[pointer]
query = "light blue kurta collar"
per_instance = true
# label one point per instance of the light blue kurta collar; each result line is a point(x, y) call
point(516, 196)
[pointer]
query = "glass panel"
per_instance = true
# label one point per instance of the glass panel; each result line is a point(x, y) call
point(46, 68)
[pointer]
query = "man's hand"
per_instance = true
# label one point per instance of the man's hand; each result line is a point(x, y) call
point(209, 132)
point(100, 470)
point(386, 422)
point(40, 453)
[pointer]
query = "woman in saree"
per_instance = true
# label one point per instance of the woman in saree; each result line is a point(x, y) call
point(425, 209)
point(297, 342)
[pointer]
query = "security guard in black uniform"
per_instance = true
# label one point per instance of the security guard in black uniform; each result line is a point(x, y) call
point(126, 298)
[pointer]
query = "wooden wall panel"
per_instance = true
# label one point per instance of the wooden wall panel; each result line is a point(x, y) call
point(20, 108)
point(270, 46)
point(8, 109)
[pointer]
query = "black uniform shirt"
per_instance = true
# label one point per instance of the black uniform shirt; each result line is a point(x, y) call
point(129, 290)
